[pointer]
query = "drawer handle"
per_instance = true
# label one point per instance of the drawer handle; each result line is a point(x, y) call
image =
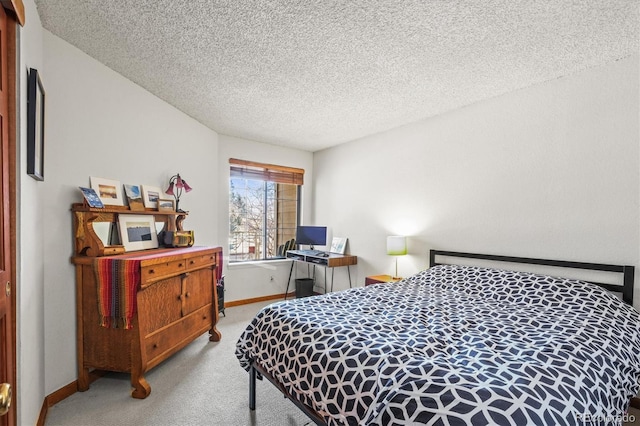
point(155, 346)
point(152, 271)
point(179, 297)
point(204, 317)
point(191, 262)
point(188, 294)
point(179, 265)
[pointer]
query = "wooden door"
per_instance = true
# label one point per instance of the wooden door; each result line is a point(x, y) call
point(163, 299)
point(7, 342)
point(197, 290)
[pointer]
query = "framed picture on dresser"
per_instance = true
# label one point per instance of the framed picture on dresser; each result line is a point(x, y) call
point(134, 197)
point(166, 205)
point(109, 191)
point(137, 232)
point(151, 195)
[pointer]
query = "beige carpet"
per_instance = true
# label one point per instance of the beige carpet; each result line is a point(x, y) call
point(201, 385)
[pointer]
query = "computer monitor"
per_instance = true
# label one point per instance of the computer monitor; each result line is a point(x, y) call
point(311, 235)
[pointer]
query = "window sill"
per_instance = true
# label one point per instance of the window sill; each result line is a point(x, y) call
point(254, 263)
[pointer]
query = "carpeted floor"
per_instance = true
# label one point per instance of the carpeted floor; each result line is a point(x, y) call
point(201, 385)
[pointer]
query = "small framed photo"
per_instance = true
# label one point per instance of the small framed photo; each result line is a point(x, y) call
point(109, 191)
point(150, 196)
point(35, 125)
point(137, 232)
point(338, 245)
point(134, 197)
point(92, 198)
point(166, 205)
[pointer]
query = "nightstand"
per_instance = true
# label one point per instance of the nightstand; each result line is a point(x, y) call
point(376, 279)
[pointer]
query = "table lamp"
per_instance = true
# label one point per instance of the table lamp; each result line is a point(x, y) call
point(176, 186)
point(396, 246)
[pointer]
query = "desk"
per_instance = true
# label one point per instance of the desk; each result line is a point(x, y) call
point(332, 260)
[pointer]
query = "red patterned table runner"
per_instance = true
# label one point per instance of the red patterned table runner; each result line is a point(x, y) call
point(118, 281)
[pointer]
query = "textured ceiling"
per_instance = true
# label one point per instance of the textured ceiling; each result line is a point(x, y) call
point(313, 74)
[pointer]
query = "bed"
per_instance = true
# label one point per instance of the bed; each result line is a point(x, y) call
point(455, 345)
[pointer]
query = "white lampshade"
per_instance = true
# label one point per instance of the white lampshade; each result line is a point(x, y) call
point(396, 245)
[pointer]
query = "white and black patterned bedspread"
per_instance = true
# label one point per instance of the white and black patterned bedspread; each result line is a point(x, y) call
point(454, 345)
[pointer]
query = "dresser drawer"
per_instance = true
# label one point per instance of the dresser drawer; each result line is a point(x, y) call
point(173, 337)
point(151, 273)
point(197, 262)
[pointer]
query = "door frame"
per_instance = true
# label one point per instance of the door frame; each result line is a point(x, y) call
point(15, 16)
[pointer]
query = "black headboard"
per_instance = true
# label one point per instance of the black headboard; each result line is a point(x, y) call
point(627, 271)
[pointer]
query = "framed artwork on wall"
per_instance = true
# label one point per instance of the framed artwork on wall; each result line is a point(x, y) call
point(35, 125)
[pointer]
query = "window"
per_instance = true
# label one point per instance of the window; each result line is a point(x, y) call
point(264, 204)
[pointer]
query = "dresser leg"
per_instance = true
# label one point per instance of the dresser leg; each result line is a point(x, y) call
point(215, 335)
point(141, 388)
point(83, 379)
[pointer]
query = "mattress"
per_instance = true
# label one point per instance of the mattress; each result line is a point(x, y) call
point(454, 345)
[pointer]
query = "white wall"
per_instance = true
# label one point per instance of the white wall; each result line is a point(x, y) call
point(548, 171)
point(253, 280)
point(100, 124)
point(30, 249)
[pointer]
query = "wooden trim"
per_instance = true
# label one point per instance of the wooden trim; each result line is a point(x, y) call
point(17, 7)
point(44, 410)
point(635, 403)
point(256, 300)
point(64, 393)
point(12, 93)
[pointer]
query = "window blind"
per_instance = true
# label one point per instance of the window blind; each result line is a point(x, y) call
point(266, 172)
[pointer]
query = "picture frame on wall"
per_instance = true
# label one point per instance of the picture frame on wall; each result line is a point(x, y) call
point(35, 125)
point(109, 191)
point(151, 195)
point(137, 232)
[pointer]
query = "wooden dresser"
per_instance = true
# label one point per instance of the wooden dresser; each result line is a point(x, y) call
point(176, 302)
